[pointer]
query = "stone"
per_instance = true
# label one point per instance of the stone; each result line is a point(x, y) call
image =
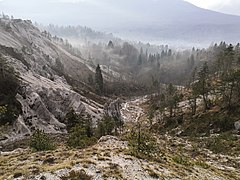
point(108, 138)
point(17, 175)
point(237, 125)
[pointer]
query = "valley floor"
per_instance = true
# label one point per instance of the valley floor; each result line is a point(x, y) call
point(110, 158)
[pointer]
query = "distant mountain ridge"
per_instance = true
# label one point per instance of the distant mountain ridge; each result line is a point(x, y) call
point(177, 22)
point(174, 22)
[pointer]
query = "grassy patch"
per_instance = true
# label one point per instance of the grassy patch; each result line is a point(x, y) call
point(114, 171)
point(225, 143)
point(182, 160)
point(202, 164)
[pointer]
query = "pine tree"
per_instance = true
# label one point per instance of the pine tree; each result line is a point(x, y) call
point(203, 85)
point(171, 92)
point(110, 45)
point(99, 80)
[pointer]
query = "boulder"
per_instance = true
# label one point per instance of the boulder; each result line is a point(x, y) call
point(113, 108)
point(237, 125)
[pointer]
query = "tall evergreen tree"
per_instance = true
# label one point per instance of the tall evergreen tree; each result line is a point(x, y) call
point(203, 84)
point(99, 79)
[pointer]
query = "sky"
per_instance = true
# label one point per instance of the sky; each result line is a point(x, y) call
point(75, 12)
point(224, 6)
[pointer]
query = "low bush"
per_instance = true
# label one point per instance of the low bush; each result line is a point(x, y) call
point(106, 126)
point(41, 142)
point(182, 160)
point(78, 137)
point(142, 144)
point(225, 143)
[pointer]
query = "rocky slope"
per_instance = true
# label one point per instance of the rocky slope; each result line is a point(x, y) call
point(110, 158)
point(44, 65)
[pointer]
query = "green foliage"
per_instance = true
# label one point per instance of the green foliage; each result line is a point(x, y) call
point(80, 130)
point(72, 119)
point(151, 112)
point(106, 126)
point(3, 111)
point(8, 114)
point(41, 142)
point(142, 143)
point(79, 137)
point(230, 88)
point(202, 84)
point(225, 143)
point(182, 160)
point(171, 99)
point(10, 108)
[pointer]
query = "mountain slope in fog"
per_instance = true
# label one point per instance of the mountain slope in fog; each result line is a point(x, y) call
point(175, 21)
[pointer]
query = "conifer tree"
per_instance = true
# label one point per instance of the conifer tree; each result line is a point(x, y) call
point(99, 80)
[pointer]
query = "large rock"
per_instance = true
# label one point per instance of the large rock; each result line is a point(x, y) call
point(237, 125)
point(44, 106)
point(113, 108)
point(108, 138)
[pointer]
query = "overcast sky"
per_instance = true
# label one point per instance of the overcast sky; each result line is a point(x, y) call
point(225, 6)
point(84, 11)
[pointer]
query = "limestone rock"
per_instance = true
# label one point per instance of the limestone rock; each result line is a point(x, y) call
point(113, 108)
point(237, 125)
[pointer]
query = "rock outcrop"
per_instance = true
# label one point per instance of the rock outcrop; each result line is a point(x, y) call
point(43, 65)
point(237, 125)
point(113, 108)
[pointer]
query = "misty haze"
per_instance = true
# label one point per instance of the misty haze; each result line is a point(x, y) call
point(119, 89)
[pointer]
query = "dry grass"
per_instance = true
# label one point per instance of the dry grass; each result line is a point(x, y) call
point(31, 163)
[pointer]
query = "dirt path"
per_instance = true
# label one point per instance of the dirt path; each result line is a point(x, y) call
point(131, 110)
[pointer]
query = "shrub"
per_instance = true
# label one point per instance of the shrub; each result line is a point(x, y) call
point(78, 137)
point(71, 119)
point(225, 143)
point(182, 160)
point(106, 126)
point(8, 114)
point(41, 142)
point(142, 144)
